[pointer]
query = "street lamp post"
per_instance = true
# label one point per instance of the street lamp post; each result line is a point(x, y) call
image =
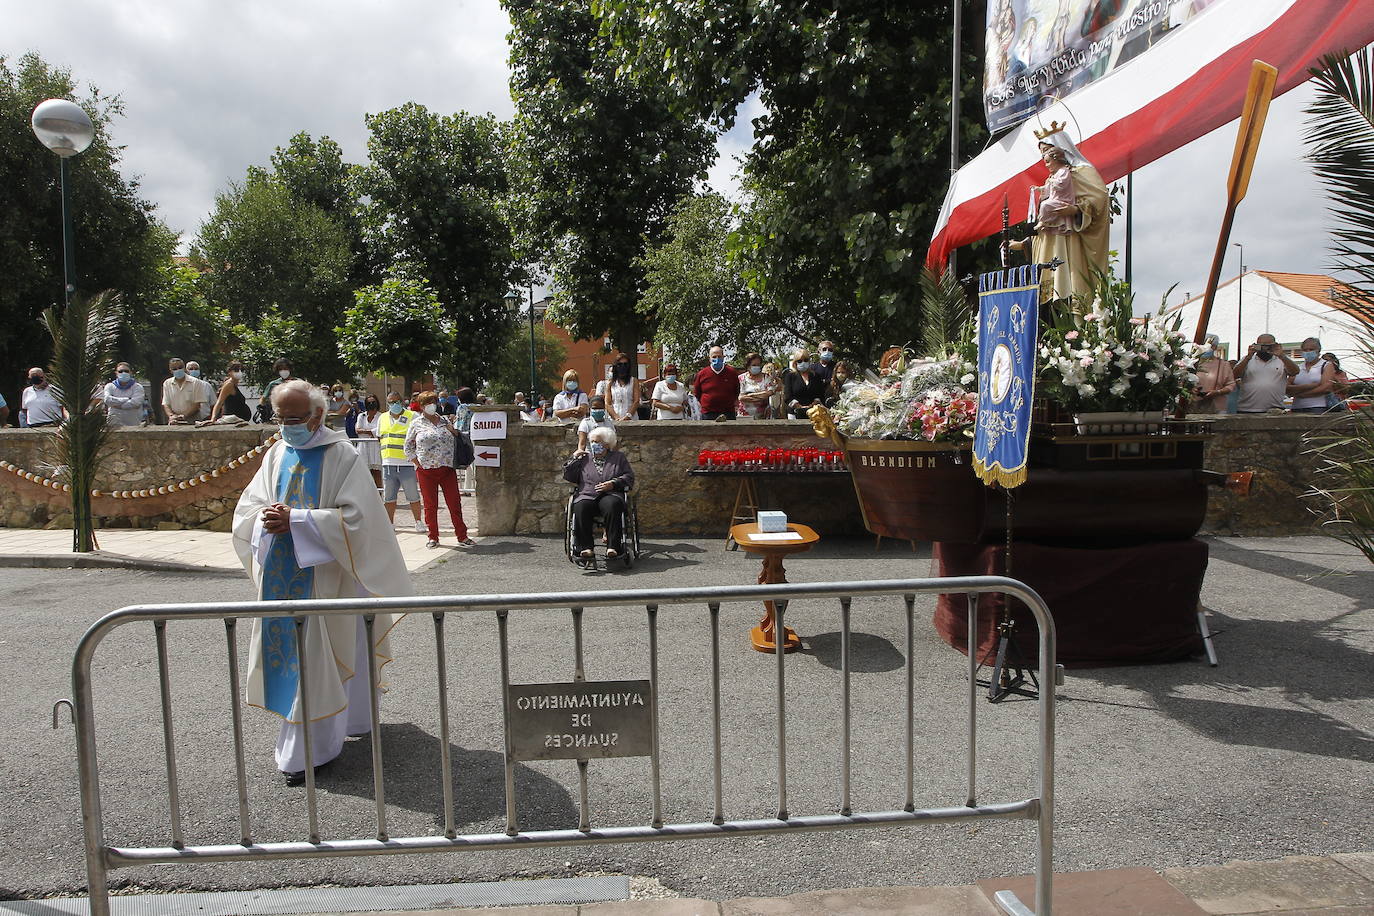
point(1240, 300)
point(534, 376)
point(66, 129)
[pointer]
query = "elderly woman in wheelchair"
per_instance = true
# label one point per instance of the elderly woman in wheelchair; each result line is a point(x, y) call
point(602, 476)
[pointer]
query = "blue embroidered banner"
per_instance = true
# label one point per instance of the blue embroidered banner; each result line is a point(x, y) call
point(1008, 331)
point(298, 486)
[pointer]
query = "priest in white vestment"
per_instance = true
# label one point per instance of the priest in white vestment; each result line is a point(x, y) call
point(311, 525)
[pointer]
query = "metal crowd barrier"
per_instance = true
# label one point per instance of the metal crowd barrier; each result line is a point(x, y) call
point(102, 857)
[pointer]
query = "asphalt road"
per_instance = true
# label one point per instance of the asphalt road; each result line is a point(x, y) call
point(1270, 754)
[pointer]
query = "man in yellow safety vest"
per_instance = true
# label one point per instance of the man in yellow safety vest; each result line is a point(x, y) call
point(397, 470)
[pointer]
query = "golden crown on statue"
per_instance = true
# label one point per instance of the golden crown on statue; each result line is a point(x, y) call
point(1054, 128)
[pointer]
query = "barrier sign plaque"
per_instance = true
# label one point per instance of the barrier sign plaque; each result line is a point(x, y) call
point(587, 719)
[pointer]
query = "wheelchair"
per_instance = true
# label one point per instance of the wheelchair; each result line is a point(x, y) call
point(629, 549)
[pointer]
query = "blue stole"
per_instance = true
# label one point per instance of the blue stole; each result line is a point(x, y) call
point(298, 486)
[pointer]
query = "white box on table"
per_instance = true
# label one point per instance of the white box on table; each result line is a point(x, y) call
point(772, 521)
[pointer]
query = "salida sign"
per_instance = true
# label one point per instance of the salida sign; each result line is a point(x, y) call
point(489, 424)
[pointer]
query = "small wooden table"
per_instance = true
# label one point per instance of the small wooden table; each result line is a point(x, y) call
point(772, 551)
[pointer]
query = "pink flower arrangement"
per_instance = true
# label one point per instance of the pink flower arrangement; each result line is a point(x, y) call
point(943, 416)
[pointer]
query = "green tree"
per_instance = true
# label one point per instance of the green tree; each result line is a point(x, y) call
point(119, 244)
point(314, 172)
point(512, 372)
point(396, 327)
point(278, 266)
point(602, 159)
point(849, 164)
point(173, 318)
point(695, 291)
point(433, 195)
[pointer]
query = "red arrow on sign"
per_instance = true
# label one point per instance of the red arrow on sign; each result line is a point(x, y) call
point(486, 455)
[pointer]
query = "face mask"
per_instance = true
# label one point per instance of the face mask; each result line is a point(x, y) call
point(717, 363)
point(756, 370)
point(827, 355)
point(338, 394)
point(803, 366)
point(237, 374)
point(284, 373)
point(670, 379)
point(543, 404)
point(430, 410)
point(178, 374)
point(193, 373)
point(1265, 355)
point(1208, 353)
point(125, 376)
point(1310, 356)
point(598, 415)
point(622, 369)
point(396, 408)
point(371, 405)
point(598, 448)
point(36, 380)
point(296, 435)
point(570, 386)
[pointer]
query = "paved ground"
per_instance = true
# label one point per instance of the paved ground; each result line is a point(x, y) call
point(1169, 766)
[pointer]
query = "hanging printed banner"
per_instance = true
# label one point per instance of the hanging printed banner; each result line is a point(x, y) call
point(1037, 48)
point(1008, 328)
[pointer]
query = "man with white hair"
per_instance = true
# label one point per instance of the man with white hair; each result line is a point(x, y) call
point(310, 525)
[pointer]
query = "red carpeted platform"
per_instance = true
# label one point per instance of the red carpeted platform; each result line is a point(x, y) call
point(1111, 606)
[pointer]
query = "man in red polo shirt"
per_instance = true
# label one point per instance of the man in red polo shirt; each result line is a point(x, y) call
point(717, 388)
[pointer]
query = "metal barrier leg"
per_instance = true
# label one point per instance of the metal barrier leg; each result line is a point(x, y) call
point(374, 714)
point(1206, 636)
point(910, 601)
point(236, 710)
point(445, 752)
point(972, 701)
point(311, 812)
point(584, 819)
point(511, 829)
point(168, 742)
point(845, 808)
point(655, 774)
point(719, 817)
point(780, 650)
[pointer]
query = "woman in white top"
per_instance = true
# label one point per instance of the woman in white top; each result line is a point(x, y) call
point(621, 390)
point(755, 389)
point(670, 396)
point(570, 404)
point(1314, 380)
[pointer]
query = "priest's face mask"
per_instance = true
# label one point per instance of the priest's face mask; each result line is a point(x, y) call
point(295, 409)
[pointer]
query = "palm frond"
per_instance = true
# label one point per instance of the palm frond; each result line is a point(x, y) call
point(945, 310)
point(1340, 137)
point(84, 337)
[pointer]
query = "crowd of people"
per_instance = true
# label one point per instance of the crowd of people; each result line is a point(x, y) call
point(1268, 378)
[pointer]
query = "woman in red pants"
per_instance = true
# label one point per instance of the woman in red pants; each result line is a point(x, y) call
point(430, 447)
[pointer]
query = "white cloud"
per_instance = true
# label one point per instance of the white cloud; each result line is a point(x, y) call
point(212, 88)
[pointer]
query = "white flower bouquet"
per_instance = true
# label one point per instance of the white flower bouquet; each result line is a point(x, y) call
point(1110, 360)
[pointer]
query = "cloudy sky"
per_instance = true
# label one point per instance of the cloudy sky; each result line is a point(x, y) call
point(211, 88)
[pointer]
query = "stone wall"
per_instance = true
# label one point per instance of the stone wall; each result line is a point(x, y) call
point(138, 458)
point(1272, 446)
point(527, 495)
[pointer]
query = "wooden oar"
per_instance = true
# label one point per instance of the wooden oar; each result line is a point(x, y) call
point(1257, 96)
